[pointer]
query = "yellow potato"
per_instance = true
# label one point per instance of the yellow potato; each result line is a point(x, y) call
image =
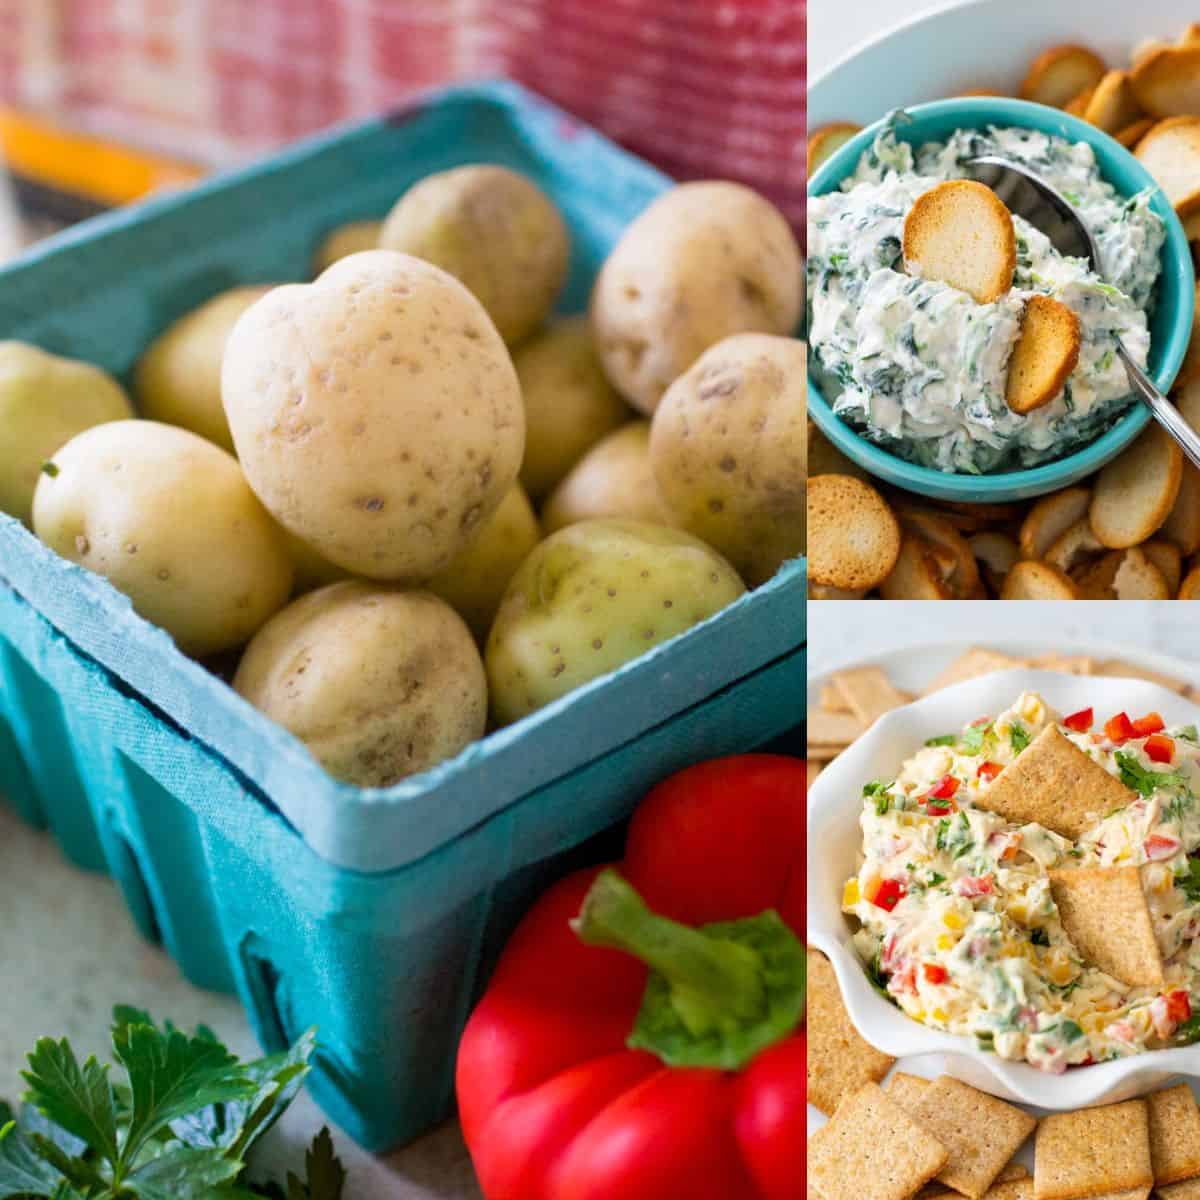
point(613, 479)
point(376, 413)
point(727, 449)
point(178, 380)
point(311, 570)
point(474, 583)
point(569, 404)
point(346, 240)
point(703, 262)
point(493, 229)
point(595, 596)
point(168, 519)
point(378, 683)
point(44, 402)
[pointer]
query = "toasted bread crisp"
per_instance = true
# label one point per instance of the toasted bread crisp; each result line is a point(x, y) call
point(839, 1060)
point(1167, 81)
point(1189, 1189)
point(868, 693)
point(833, 728)
point(957, 568)
point(1131, 135)
point(1123, 575)
point(1046, 353)
point(1105, 914)
point(1113, 105)
point(1013, 1183)
point(907, 1090)
point(1093, 1152)
point(853, 537)
point(1050, 518)
point(1037, 581)
point(824, 142)
point(961, 233)
point(1075, 548)
point(980, 1133)
point(871, 1148)
point(1057, 785)
point(1189, 589)
point(975, 663)
point(831, 699)
point(1171, 153)
point(1078, 105)
point(996, 553)
point(1118, 668)
point(917, 574)
point(1174, 1134)
point(1059, 74)
point(1167, 557)
point(1187, 399)
point(1134, 494)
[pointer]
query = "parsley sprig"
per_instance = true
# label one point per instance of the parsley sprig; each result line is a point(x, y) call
point(177, 1126)
point(1143, 780)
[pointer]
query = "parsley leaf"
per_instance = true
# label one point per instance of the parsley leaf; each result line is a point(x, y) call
point(943, 827)
point(1187, 1032)
point(325, 1177)
point(935, 879)
point(1071, 1032)
point(946, 739)
point(79, 1098)
point(1189, 884)
point(973, 738)
point(1187, 733)
point(1143, 780)
point(1018, 738)
point(22, 1170)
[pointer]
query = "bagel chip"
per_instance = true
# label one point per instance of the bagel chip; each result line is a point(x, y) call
point(1104, 912)
point(961, 233)
point(1078, 105)
point(1113, 105)
point(916, 574)
point(1030, 580)
point(1166, 556)
point(996, 553)
point(1060, 73)
point(853, 536)
point(1050, 518)
point(1171, 153)
point(1167, 82)
point(1189, 589)
point(1123, 575)
point(1046, 353)
point(958, 568)
point(1134, 494)
point(823, 142)
point(1131, 135)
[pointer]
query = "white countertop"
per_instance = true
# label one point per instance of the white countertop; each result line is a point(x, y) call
point(69, 952)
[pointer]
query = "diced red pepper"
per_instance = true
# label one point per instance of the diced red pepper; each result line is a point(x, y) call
point(888, 895)
point(1160, 748)
point(940, 808)
point(935, 973)
point(1179, 1007)
point(974, 885)
point(1150, 723)
point(1119, 729)
point(1159, 847)
point(943, 789)
point(988, 770)
point(1081, 721)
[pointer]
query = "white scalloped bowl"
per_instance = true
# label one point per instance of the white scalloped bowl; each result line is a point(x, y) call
point(834, 839)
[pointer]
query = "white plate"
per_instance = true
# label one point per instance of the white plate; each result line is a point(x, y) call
point(988, 43)
point(913, 668)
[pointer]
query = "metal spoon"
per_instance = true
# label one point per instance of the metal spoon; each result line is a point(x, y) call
point(1028, 194)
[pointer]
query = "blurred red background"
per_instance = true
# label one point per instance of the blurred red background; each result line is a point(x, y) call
point(702, 87)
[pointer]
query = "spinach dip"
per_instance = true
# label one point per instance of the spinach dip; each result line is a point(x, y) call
point(918, 366)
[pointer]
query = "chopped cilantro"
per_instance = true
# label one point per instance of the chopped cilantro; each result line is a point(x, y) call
point(1018, 738)
point(1071, 1032)
point(945, 739)
point(1187, 1032)
point(943, 827)
point(1188, 734)
point(1189, 884)
point(1143, 780)
point(935, 879)
point(973, 738)
point(986, 1042)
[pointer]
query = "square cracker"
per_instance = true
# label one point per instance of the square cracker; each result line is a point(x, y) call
point(839, 1060)
point(1126, 670)
point(1057, 785)
point(1189, 1189)
point(980, 1133)
point(1093, 1152)
point(906, 1090)
point(1105, 914)
point(871, 1150)
point(831, 699)
point(1174, 1134)
point(833, 729)
point(868, 693)
point(971, 665)
point(1013, 1183)
point(1071, 664)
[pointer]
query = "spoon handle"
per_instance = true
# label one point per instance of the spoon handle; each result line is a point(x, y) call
point(1165, 413)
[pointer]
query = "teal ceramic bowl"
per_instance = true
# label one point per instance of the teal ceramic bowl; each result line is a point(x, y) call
point(1170, 329)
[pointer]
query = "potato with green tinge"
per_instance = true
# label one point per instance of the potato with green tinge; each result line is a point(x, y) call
point(727, 445)
point(45, 401)
point(493, 229)
point(594, 596)
point(376, 413)
point(178, 379)
point(569, 403)
point(613, 479)
point(474, 583)
point(378, 683)
point(703, 262)
point(168, 519)
point(345, 240)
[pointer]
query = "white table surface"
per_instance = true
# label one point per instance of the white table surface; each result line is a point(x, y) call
point(837, 26)
point(69, 952)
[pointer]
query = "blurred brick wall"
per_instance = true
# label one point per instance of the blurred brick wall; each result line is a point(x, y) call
point(703, 87)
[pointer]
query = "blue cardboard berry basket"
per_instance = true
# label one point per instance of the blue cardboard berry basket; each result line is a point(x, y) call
point(373, 914)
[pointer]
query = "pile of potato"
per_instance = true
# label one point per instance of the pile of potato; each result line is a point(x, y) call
point(410, 496)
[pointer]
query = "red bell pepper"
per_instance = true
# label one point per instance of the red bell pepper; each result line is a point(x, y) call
point(935, 973)
point(1160, 748)
point(1150, 723)
point(1179, 1007)
point(988, 770)
point(1081, 721)
point(1119, 729)
point(587, 1074)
